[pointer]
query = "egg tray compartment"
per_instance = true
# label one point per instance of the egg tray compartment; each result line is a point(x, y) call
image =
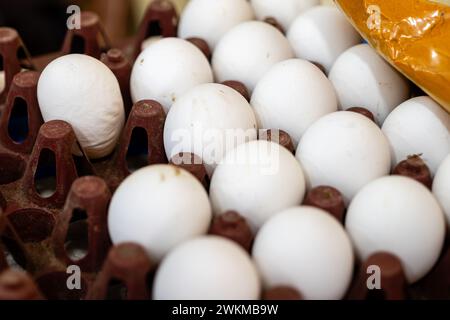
point(34, 227)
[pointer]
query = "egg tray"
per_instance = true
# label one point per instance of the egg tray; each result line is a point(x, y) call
point(34, 229)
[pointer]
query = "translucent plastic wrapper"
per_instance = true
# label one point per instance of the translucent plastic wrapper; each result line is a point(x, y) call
point(413, 35)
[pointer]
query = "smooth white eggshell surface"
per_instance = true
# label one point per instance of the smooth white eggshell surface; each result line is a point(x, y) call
point(291, 96)
point(321, 34)
point(84, 92)
point(363, 79)
point(344, 150)
point(284, 11)
point(149, 41)
point(208, 121)
point(307, 249)
point(159, 207)
point(419, 126)
point(441, 187)
point(398, 215)
point(207, 268)
point(257, 179)
point(167, 69)
point(247, 51)
point(211, 19)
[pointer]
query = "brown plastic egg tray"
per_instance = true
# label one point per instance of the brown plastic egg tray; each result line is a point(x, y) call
point(39, 231)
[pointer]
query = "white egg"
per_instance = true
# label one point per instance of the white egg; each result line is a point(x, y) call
point(159, 207)
point(291, 96)
point(84, 92)
point(363, 79)
point(211, 19)
point(441, 187)
point(208, 121)
point(419, 126)
point(307, 249)
point(2, 81)
point(149, 41)
point(321, 34)
point(207, 268)
point(398, 215)
point(252, 180)
point(167, 69)
point(344, 150)
point(284, 11)
point(247, 51)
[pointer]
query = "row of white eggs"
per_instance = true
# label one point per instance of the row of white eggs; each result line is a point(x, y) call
point(166, 210)
point(171, 67)
point(161, 207)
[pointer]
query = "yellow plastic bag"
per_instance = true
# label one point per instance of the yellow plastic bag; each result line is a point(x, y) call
point(413, 35)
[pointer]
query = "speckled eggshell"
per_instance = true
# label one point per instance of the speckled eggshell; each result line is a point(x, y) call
point(167, 69)
point(248, 51)
point(307, 249)
point(344, 150)
point(84, 92)
point(291, 96)
point(207, 268)
point(419, 126)
point(208, 121)
point(284, 11)
point(321, 34)
point(211, 19)
point(441, 187)
point(257, 179)
point(159, 207)
point(398, 215)
point(363, 79)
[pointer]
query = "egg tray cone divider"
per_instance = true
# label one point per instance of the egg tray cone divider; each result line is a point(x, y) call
point(120, 65)
point(160, 19)
point(234, 227)
point(10, 46)
point(30, 217)
point(14, 153)
point(22, 94)
point(129, 264)
point(91, 195)
point(49, 259)
point(202, 45)
point(415, 168)
point(328, 199)
point(278, 136)
point(90, 39)
point(239, 87)
point(393, 280)
point(148, 116)
point(91, 34)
